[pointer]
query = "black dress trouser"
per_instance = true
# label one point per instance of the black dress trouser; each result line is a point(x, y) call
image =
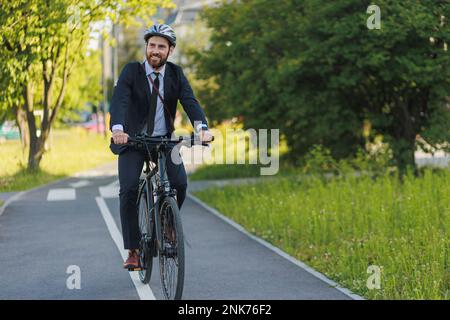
point(131, 163)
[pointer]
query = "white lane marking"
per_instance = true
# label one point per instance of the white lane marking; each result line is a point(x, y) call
point(143, 290)
point(113, 184)
point(80, 184)
point(61, 194)
point(106, 170)
point(110, 191)
point(283, 254)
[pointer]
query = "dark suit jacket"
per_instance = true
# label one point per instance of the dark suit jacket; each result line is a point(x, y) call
point(131, 100)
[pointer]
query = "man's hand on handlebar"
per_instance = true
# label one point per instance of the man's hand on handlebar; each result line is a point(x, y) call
point(119, 137)
point(206, 136)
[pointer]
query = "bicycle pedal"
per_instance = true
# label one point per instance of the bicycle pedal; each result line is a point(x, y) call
point(135, 269)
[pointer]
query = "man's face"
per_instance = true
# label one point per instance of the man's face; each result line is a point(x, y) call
point(158, 50)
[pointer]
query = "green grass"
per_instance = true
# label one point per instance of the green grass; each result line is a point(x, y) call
point(223, 171)
point(71, 151)
point(343, 226)
point(232, 171)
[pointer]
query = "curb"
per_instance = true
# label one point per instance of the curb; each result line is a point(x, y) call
point(11, 199)
point(278, 251)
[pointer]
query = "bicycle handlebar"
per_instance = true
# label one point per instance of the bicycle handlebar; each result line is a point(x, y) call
point(133, 141)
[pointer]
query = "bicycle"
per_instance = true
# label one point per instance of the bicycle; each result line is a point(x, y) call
point(161, 231)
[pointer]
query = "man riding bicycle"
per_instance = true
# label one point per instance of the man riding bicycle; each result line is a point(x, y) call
point(144, 101)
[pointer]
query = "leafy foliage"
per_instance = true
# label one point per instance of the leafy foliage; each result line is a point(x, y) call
point(41, 42)
point(313, 69)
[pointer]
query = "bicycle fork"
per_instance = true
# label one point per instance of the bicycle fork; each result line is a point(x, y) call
point(161, 190)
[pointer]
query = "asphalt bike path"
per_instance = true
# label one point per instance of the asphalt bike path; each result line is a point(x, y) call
point(63, 241)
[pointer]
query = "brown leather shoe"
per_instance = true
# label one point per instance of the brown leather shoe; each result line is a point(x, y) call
point(132, 262)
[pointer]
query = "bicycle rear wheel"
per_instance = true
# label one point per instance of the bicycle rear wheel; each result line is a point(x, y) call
point(146, 230)
point(171, 257)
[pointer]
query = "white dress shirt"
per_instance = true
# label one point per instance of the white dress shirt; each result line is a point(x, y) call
point(160, 128)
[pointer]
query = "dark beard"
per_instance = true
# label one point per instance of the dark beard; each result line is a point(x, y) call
point(161, 62)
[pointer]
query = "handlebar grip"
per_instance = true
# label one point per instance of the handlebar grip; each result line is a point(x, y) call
point(129, 141)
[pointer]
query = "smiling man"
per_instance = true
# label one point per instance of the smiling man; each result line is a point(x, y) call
point(145, 101)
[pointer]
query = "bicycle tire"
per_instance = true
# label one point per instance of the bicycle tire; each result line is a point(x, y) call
point(172, 249)
point(146, 236)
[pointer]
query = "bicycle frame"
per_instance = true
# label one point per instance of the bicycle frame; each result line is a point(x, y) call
point(161, 189)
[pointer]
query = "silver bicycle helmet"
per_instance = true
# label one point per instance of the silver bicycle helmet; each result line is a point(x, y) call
point(162, 30)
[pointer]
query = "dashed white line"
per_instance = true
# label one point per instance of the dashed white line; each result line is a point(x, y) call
point(61, 194)
point(80, 184)
point(109, 192)
point(143, 290)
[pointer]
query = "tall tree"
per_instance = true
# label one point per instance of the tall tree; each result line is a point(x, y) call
point(397, 77)
point(315, 70)
point(41, 41)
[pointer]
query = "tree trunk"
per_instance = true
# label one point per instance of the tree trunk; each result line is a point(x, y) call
point(35, 154)
point(21, 121)
point(404, 145)
point(36, 146)
point(403, 152)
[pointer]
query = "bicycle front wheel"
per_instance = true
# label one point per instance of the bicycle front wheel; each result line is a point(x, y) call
point(171, 257)
point(146, 232)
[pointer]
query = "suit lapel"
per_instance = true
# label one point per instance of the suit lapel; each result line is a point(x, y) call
point(168, 83)
point(144, 83)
